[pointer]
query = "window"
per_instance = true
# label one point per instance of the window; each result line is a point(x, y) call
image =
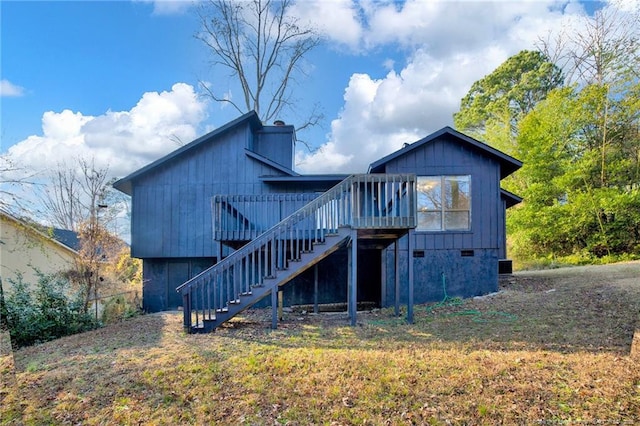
point(444, 203)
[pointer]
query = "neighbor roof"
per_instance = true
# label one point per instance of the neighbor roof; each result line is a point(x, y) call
point(60, 237)
point(66, 237)
point(508, 164)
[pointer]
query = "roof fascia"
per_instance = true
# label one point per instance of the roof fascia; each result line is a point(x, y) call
point(270, 163)
point(504, 159)
point(305, 178)
point(36, 232)
point(511, 198)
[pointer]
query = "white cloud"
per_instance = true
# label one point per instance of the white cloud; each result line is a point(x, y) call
point(379, 116)
point(336, 19)
point(449, 46)
point(7, 89)
point(169, 7)
point(124, 140)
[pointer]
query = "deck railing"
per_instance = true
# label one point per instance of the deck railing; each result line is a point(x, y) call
point(360, 201)
point(244, 217)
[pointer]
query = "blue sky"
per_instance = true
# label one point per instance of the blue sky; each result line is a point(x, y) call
point(118, 80)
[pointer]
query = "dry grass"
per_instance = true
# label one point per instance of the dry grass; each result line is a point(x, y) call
point(552, 347)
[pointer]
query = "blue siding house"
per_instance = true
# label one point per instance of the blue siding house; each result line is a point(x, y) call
point(224, 221)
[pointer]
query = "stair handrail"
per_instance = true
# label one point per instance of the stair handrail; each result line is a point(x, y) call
point(301, 214)
point(311, 208)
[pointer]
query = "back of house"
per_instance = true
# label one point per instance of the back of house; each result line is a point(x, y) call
point(198, 204)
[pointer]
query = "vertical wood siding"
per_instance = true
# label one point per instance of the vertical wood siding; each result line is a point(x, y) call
point(463, 276)
point(447, 157)
point(172, 205)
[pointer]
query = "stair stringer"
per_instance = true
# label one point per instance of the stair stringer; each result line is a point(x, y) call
point(332, 243)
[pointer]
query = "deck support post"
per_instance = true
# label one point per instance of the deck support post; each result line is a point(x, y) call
point(186, 312)
point(315, 289)
point(410, 289)
point(353, 276)
point(383, 277)
point(274, 308)
point(349, 279)
point(396, 265)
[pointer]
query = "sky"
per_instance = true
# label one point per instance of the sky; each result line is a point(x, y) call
point(118, 81)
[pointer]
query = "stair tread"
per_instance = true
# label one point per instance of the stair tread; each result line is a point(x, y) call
point(303, 260)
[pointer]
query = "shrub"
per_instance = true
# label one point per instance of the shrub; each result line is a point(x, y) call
point(120, 307)
point(45, 313)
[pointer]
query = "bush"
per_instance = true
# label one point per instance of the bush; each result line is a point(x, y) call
point(43, 314)
point(119, 308)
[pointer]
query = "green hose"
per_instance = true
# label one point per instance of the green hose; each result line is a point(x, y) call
point(478, 316)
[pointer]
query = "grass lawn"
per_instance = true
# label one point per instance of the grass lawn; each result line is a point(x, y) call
point(550, 348)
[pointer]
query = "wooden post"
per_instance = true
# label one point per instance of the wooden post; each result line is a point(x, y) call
point(280, 304)
point(349, 267)
point(315, 289)
point(354, 276)
point(186, 311)
point(410, 266)
point(383, 278)
point(274, 308)
point(396, 260)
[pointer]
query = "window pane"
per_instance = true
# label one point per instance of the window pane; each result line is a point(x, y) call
point(429, 193)
point(429, 221)
point(444, 203)
point(456, 220)
point(457, 193)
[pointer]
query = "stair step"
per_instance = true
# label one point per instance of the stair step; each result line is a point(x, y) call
point(267, 284)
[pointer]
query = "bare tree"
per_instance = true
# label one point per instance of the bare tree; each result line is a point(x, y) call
point(12, 177)
point(98, 248)
point(603, 51)
point(599, 49)
point(262, 46)
point(75, 193)
point(78, 198)
point(62, 198)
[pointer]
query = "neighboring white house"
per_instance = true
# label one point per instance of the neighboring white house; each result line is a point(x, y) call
point(25, 249)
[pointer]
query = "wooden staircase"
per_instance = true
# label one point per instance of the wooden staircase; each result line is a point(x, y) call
point(368, 204)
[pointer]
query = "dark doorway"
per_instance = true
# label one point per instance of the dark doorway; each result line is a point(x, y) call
point(369, 276)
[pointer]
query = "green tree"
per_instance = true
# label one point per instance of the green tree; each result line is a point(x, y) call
point(495, 104)
point(580, 176)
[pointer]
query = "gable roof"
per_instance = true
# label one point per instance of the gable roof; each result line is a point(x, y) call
point(250, 118)
point(508, 164)
point(65, 239)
